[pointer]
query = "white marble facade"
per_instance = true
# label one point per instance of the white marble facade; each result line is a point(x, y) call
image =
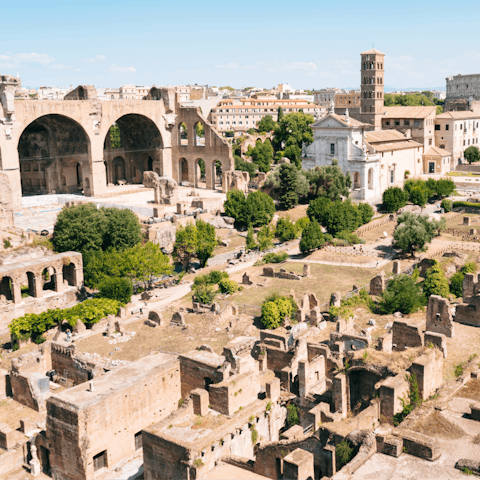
point(341, 137)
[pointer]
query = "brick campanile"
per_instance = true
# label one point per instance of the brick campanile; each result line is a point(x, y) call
point(372, 74)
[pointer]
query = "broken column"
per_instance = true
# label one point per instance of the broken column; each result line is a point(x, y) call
point(396, 267)
point(336, 299)
point(306, 270)
point(377, 284)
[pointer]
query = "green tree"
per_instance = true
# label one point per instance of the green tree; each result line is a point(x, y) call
point(266, 124)
point(288, 185)
point(312, 237)
point(270, 316)
point(444, 187)
point(280, 113)
point(286, 229)
point(185, 247)
point(415, 231)
point(244, 166)
point(394, 198)
point(119, 289)
point(366, 211)
point(419, 195)
point(262, 155)
point(265, 237)
point(318, 209)
point(79, 228)
point(435, 282)
point(259, 208)
point(446, 205)
point(329, 181)
point(251, 243)
point(115, 137)
point(206, 241)
point(403, 294)
point(251, 131)
point(472, 154)
point(228, 286)
point(123, 229)
point(456, 284)
point(293, 131)
point(235, 206)
point(342, 217)
point(204, 294)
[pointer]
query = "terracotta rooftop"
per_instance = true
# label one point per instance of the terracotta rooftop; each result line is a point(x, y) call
point(372, 51)
point(389, 147)
point(434, 151)
point(385, 136)
point(467, 115)
point(408, 112)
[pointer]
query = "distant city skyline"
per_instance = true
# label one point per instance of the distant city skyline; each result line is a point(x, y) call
point(313, 45)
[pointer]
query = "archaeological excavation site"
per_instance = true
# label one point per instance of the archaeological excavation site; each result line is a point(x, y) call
point(166, 315)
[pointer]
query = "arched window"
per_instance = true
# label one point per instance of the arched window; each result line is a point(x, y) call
point(182, 134)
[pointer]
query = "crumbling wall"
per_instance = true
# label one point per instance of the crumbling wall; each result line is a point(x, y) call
point(439, 316)
point(469, 314)
point(405, 335)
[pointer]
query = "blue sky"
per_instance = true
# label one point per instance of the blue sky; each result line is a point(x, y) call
point(309, 44)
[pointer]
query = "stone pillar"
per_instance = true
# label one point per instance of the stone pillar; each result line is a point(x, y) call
point(306, 270)
point(340, 393)
point(303, 378)
point(209, 178)
point(298, 465)
point(396, 267)
point(78, 280)
point(16, 293)
point(200, 399)
point(59, 282)
point(38, 287)
point(466, 220)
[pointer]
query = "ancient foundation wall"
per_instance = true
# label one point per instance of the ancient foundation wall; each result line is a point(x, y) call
point(195, 374)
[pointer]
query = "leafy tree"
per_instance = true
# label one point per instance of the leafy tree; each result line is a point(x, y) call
point(275, 309)
point(446, 205)
point(329, 181)
point(235, 206)
point(280, 113)
point(472, 154)
point(456, 284)
point(293, 131)
point(292, 415)
point(259, 208)
point(286, 229)
point(419, 195)
point(366, 211)
point(266, 124)
point(123, 229)
point(312, 237)
point(200, 129)
point(244, 166)
point(265, 237)
point(318, 208)
point(201, 164)
point(251, 243)
point(288, 185)
point(120, 289)
point(79, 228)
point(444, 187)
point(415, 231)
point(206, 241)
point(403, 294)
point(204, 294)
point(270, 316)
point(185, 246)
point(262, 155)
point(342, 216)
point(251, 131)
point(435, 282)
point(115, 136)
point(394, 198)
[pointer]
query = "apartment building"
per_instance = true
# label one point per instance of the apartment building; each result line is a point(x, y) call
point(456, 131)
point(241, 114)
point(325, 96)
point(350, 100)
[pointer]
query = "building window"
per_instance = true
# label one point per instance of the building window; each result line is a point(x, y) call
point(437, 127)
point(406, 122)
point(332, 149)
point(138, 441)
point(387, 122)
point(447, 127)
point(442, 146)
point(100, 461)
point(461, 126)
point(416, 123)
point(429, 141)
point(392, 176)
point(397, 122)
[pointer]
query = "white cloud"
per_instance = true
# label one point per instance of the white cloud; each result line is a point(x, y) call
point(228, 65)
point(33, 58)
point(97, 58)
point(101, 57)
point(115, 68)
point(4, 57)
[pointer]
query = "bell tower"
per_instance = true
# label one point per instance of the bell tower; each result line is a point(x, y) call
point(371, 101)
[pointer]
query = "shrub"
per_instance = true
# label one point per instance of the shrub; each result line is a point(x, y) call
point(465, 204)
point(286, 229)
point(301, 223)
point(270, 316)
point(394, 198)
point(350, 238)
point(403, 295)
point(228, 286)
point(275, 257)
point(312, 237)
point(344, 452)
point(456, 284)
point(251, 243)
point(292, 415)
point(119, 289)
point(410, 402)
point(469, 267)
point(446, 205)
point(260, 208)
point(265, 237)
point(435, 282)
point(205, 294)
point(212, 278)
point(366, 212)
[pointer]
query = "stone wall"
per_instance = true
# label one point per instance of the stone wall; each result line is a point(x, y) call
point(82, 423)
point(199, 370)
point(405, 335)
point(439, 316)
point(469, 314)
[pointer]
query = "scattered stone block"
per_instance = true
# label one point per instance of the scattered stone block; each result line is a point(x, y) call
point(377, 284)
point(200, 399)
point(467, 464)
point(438, 340)
point(336, 299)
point(466, 220)
point(475, 412)
point(156, 317)
point(269, 272)
point(396, 267)
point(119, 326)
point(306, 270)
point(79, 327)
point(393, 446)
point(246, 279)
point(178, 319)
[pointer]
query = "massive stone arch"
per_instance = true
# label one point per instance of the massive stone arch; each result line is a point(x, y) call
point(141, 147)
point(50, 150)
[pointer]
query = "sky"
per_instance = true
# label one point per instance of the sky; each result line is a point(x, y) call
point(308, 44)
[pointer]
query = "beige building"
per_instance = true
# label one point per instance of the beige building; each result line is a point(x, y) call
point(325, 96)
point(372, 84)
point(437, 161)
point(456, 131)
point(241, 114)
point(348, 100)
point(132, 92)
point(419, 122)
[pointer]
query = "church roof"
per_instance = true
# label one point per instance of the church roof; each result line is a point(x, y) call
point(385, 136)
point(436, 151)
point(392, 146)
point(372, 51)
point(408, 112)
point(461, 115)
point(342, 120)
